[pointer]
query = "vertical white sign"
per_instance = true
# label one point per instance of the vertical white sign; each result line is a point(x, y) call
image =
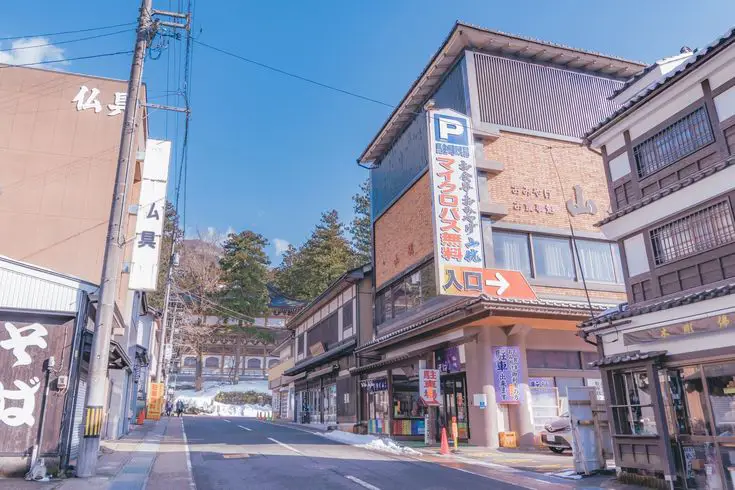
point(455, 198)
point(151, 216)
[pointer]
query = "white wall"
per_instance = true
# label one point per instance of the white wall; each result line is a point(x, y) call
point(725, 104)
point(636, 255)
point(619, 166)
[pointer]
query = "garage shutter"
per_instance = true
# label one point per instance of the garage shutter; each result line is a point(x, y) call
point(78, 420)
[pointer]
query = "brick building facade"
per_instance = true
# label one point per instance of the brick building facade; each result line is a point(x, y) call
point(537, 182)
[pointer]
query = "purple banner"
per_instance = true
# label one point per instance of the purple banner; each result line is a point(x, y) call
point(447, 360)
point(507, 374)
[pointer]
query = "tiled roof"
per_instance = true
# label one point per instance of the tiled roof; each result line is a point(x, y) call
point(669, 79)
point(670, 189)
point(524, 305)
point(336, 351)
point(626, 357)
point(627, 312)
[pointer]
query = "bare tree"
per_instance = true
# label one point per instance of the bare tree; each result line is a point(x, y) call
point(198, 279)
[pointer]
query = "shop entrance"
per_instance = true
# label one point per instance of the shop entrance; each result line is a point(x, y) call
point(454, 392)
point(700, 403)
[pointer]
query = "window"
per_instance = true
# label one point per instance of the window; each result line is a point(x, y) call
point(553, 359)
point(190, 362)
point(511, 252)
point(211, 362)
point(673, 143)
point(406, 293)
point(347, 315)
point(632, 405)
point(702, 230)
point(553, 257)
point(253, 363)
point(600, 261)
point(300, 344)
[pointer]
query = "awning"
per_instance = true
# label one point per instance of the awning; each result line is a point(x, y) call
point(338, 351)
point(322, 372)
point(375, 366)
point(627, 357)
point(118, 358)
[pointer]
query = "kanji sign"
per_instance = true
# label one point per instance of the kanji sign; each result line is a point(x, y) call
point(507, 374)
point(456, 212)
point(472, 281)
point(430, 387)
point(88, 99)
point(151, 214)
point(725, 321)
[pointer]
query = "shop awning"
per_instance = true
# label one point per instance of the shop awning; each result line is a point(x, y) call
point(338, 351)
point(118, 358)
point(627, 357)
point(323, 372)
point(378, 365)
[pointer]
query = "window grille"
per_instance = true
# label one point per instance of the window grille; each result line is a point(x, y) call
point(702, 230)
point(669, 145)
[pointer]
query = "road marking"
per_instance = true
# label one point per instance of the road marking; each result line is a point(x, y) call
point(361, 483)
point(249, 430)
point(285, 445)
point(192, 485)
point(227, 421)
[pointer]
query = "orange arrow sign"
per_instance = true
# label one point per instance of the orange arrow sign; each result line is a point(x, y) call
point(473, 281)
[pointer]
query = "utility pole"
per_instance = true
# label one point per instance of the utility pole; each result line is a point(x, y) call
point(164, 320)
point(98, 359)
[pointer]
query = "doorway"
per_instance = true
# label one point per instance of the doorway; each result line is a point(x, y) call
point(454, 393)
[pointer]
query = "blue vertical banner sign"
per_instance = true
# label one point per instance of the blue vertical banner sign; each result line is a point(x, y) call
point(507, 374)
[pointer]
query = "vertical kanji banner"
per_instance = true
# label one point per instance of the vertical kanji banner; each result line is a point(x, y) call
point(455, 199)
point(151, 215)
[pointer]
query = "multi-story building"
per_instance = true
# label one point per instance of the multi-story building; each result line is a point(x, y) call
point(325, 334)
point(282, 389)
point(59, 140)
point(505, 357)
point(668, 355)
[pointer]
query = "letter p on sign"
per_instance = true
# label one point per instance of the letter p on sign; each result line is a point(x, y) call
point(448, 129)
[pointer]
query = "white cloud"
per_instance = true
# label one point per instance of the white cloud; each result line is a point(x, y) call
point(281, 245)
point(31, 50)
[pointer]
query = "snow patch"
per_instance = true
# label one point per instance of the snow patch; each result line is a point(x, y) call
point(203, 400)
point(373, 443)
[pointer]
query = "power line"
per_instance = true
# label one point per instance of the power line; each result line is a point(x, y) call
point(68, 32)
point(46, 62)
point(240, 316)
point(346, 92)
point(68, 41)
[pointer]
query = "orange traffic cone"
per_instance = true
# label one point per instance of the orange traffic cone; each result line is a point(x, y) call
point(445, 444)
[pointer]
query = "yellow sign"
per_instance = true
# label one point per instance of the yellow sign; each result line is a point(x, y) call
point(155, 401)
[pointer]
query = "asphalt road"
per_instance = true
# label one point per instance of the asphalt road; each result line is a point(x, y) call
point(234, 452)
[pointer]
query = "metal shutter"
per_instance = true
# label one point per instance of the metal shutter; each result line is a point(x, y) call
point(78, 420)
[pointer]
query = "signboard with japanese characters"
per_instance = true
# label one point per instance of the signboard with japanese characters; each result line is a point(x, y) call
point(447, 360)
point(26, 343)
point(374, 385)
point(507, 374)
point(151, 215)
point(430, 387)
point(472, 281)
point(455, 201)
point(679, 330)
point(88, 99)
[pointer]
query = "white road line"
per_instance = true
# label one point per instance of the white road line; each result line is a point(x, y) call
point(361, 483)
point(192, 485)
point(249, 430)
point(227, 421)
point(285, 445)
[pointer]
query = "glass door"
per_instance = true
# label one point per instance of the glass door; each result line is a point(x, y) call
point(455, 403)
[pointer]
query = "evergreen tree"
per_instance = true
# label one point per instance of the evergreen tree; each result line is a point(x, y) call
point(325, 256)
point(361, 225)
point(244, 265)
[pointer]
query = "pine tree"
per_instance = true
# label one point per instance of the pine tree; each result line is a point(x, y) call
point(244, 266)
point(325, 256)
point(361, 225)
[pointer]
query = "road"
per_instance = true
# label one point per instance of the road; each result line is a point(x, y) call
point(238, 452)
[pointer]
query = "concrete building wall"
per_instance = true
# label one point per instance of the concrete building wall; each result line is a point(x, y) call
point(404, 234)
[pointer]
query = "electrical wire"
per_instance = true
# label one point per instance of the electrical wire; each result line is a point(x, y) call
point(239, 316)
point(69, 41)
point(46, 62)
point(77, 31)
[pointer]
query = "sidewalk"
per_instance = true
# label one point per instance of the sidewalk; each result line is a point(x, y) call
point(151, 456)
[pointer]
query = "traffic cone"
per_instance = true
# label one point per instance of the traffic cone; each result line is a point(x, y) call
point(445, 444)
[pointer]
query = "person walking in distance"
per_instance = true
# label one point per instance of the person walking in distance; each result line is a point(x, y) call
point(179, 408)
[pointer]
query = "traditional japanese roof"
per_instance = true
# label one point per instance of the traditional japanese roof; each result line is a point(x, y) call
point(443, 306)
point(670, 189)
point(465, 36)
point(279, 301)
point(340, 284)
point(627, 357)
point(339, 350)
point(624, 311)
point(665, 82)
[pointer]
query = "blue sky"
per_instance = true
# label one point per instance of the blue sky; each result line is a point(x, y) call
point(270, 153)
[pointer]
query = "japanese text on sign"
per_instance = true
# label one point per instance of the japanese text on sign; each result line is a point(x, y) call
point(457, 234)
point(430, 387)
point(151, 214)
point(87, 99)
point(507, 374)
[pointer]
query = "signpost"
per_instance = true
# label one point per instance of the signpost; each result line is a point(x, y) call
point(472, 281)
point(155, 401)
point(430, 387)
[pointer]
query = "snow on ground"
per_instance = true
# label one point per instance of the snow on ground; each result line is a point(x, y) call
point(204, 400)
point(369, 442)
